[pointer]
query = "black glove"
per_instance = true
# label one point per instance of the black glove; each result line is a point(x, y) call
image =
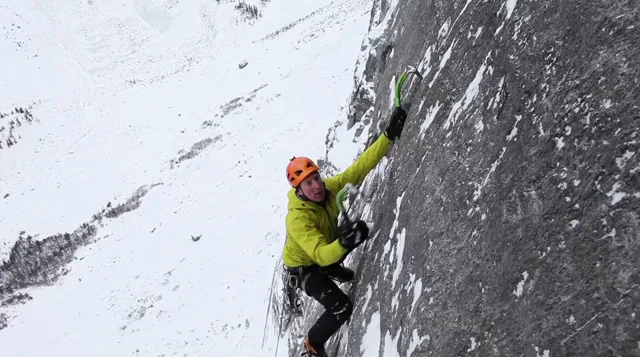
point(396, 123)
point(353, 234)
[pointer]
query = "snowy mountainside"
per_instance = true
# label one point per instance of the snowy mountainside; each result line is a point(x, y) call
point(142, 207)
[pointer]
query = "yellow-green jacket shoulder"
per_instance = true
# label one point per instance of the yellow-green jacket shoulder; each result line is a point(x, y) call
point(312, 227)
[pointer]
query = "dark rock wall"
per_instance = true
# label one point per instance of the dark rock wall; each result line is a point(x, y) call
point(515, 184)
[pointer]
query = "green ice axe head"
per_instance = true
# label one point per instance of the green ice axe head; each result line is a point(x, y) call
point(342, 196)
point(400, 82)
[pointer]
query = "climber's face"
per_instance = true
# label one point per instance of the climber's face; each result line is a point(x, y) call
point(313, 187)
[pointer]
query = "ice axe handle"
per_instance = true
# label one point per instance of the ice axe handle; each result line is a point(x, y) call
point(342, 196)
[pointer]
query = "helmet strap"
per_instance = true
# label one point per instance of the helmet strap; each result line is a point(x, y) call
point(301, 194)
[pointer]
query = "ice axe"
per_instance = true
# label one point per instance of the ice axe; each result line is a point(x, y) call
point(400, 82)
point(342, 196)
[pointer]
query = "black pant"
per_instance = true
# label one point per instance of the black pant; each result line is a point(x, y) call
point(338, 306)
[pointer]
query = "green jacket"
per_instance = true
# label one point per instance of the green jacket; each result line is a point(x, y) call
point(311, 227)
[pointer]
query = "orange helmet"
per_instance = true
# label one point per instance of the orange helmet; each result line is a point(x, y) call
point(299, 168)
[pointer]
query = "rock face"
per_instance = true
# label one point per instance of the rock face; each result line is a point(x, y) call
point(506, 223)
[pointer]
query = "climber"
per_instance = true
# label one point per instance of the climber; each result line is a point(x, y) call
point(315, 246)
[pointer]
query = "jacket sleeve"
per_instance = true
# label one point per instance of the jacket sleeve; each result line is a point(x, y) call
point(310, 239)
point(356, 173)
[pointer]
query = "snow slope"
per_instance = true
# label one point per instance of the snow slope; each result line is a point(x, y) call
point(146, 94)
